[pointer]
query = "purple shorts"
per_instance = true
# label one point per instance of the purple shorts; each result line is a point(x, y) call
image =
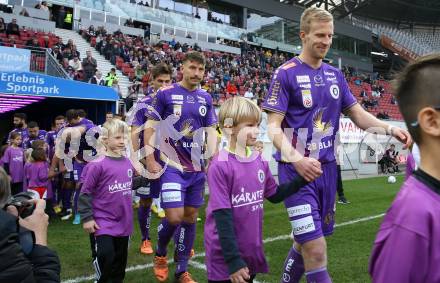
point(151, 191)
point(179, 189)
point(311, 210)
point(77, 170)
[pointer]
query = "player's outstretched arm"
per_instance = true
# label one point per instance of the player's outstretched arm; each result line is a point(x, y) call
point(286, 190)
point(366, 121)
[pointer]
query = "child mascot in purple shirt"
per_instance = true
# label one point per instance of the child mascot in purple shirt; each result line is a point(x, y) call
point(407, 246)
point(105, 203)
point(239, 180)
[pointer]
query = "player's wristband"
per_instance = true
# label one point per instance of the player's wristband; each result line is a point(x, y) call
point(390, 130)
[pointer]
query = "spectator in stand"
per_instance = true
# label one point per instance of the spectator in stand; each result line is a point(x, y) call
point(133, 1)
point(75, 63)
point(60, 17)
point(45, 42)
point(67, 54)
point(111, 76)
point(97, 79)
point(393, 100)
point(249, 94)
point(2, 25)
point(89, 65)
point(44, 6)
point(139, 72)
point(147, 30)
point(24, 13)
point(79, 76)
point(363, 93)
point(32, 44)
point(75, 52)
point(70, 71)
point(13, 28)
point(231, 89)
point(197, 16)
point(117, 88)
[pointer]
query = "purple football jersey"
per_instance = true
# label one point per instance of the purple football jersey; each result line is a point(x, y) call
point(51, 137)
point(83, 143)
point(22, 131)
point(239, 184)
point(407, 247)
point(181, 114)
point(14, 157)
point(108, 181)
point(27, 141)
point(311, 101)
point(140, 117)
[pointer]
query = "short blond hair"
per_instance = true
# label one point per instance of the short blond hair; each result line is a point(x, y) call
point(236, 110)
point(313, 14)
point(113, 127)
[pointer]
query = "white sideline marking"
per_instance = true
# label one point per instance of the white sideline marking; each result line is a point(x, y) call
point(197, 255)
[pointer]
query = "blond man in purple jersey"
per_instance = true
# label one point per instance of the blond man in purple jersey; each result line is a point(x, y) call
point(304, 102)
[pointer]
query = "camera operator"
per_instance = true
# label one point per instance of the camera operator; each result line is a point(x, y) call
point(24, 254)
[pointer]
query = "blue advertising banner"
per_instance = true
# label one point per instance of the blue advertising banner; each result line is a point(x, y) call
point(14, 59)
point(42, 85)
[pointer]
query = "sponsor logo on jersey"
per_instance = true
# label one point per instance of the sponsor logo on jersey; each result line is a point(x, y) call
point(177, 110)
point(118, 187)
point(201, 100)
point(303, 79)
point(273, 98)
point(334, 91)
point(305, 85)
point(299, 210)
point(177, 97)
point(307, 98)
point(319, 81)
point(327, 73)
point(190, 99)
point(171, 196)
point(171, 187)
point(247, 198)
point(303, 225)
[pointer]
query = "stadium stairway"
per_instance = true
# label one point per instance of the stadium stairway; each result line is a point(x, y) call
point(103, 65)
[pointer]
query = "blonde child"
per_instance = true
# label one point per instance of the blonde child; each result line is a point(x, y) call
point(105, 203)
point(239, 181)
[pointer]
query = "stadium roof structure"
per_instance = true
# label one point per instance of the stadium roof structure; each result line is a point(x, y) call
point(418, 12)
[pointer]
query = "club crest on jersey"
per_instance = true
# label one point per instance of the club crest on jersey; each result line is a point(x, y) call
point(307, 98)
point(261, 176)
point(334, 91)
point(202, 110)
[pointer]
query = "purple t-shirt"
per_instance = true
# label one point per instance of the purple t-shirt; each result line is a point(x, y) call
point(27, 141)
point(311, 101)
point(239, 184)
point(108, 181)
point(181, 113)
point(14, 157)
point(23, 132)
point(407, 246)
point(36, 174)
